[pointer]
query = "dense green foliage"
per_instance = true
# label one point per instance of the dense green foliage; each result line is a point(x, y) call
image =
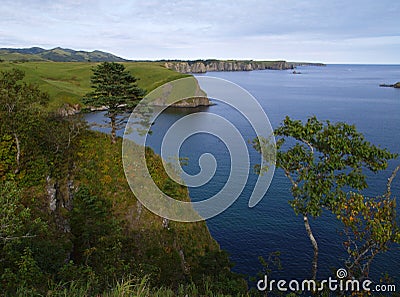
point(69, 222)
point(20, 108)
point(70, 225)
point(324, 161)
point(370, 227)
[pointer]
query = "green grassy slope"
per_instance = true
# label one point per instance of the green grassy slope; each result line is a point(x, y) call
point(67, 82)
point(177, 90)
point(57, 54)
point(152, 74)
point(10, 56)
point(99, 166)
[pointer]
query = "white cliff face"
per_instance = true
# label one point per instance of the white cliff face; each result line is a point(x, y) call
point(206, 66)
point(198, 67)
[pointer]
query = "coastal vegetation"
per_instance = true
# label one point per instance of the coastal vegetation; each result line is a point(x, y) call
point(326, 164)
point(70, 225)
point(69, 222)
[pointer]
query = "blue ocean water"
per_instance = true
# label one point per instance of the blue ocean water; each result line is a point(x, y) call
point(349, 93)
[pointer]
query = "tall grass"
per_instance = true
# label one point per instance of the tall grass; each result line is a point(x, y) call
point(125, 288)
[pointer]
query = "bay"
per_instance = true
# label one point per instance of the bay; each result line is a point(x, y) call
point(348, 93)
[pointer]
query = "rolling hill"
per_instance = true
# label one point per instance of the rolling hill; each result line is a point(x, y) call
point(68, 82)
point(57, 54)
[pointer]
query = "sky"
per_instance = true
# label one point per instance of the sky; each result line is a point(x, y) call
point(334, 31)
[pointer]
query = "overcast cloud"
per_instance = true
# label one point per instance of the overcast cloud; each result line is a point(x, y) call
point(328, 31)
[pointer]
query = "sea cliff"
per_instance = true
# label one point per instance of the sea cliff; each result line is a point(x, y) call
point(215, 65)
point(190, 102)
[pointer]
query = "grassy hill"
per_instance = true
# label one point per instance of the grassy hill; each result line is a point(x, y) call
point(57, 54)
point(67, 82)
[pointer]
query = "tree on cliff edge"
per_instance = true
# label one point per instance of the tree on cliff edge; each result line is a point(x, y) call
point(116, 89)
point(324, 162)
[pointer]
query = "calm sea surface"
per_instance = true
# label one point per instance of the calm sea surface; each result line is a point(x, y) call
point(349, 93)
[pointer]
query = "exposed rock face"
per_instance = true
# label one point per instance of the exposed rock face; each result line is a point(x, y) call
point(69, 109)
point(60, 196)
point(190, 102)
point(214, 65)
point(51, 193)
point(165, 223)
point(185, 266)
point(193, 102)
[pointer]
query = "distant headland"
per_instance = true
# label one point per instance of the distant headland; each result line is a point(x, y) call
point(58, 54)
point(202, 66)
point(396, 85)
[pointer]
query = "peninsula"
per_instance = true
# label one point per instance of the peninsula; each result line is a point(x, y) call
point(396, 85)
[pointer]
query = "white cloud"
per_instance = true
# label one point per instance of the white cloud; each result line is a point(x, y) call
point(286, 29)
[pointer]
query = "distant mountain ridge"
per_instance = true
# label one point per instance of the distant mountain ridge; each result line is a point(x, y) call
point(57, 54)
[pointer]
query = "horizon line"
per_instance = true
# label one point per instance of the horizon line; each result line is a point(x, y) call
point(220, 59)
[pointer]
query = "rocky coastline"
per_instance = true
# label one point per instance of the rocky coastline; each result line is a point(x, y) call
point(203, 66)
point(208, 66)
point(396, 85)
point(187, 103)
point(74, 109)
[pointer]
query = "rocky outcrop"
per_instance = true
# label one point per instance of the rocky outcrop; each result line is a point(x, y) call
point(73, 109)
point(215, 65)
point(193, 102)
point(189, 102)
point(51, 193)
point(60, 195)
point(396, 85)
point(69, 110)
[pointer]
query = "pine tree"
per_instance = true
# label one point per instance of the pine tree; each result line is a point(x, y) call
point(116, 89)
